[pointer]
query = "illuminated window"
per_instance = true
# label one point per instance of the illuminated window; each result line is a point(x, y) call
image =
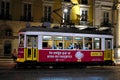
point(88, 43)
point(78, 43)
point(47, 42)
point(97, 43)
point(57, 42)
point(68, 42)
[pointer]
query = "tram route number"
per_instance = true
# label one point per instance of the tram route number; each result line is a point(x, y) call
point(96, 53)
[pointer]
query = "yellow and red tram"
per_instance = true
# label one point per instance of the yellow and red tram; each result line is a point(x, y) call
point(65, 46)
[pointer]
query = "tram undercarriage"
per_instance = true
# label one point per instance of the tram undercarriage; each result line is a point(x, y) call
point(35, 64)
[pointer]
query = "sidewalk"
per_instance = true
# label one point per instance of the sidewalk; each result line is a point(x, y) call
point(6, 63)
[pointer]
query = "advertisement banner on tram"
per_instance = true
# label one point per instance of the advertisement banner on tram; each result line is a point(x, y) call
point(70, 56)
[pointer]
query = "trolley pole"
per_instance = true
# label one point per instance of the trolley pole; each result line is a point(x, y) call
point(117, 49)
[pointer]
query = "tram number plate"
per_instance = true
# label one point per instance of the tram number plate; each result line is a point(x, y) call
point(96, 53)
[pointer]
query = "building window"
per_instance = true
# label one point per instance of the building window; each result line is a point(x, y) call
point(27, 8)
point(66, 0)
point(66, 15)
point(5, 10)
point(106, 18)
point(6, 33)
point(84, 1)
point(84, 15)
point(47, 13)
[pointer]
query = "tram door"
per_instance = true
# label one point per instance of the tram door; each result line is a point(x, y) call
point(108, 49)
point(32, 47)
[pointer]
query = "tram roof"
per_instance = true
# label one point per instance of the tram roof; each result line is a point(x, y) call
point(66, 30)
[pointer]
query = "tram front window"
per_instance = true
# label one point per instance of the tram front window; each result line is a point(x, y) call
point(29, 41)
point(32, 41)
point(35, 41)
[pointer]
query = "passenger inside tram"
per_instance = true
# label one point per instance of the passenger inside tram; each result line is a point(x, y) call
point(87, 46)
point(57, 47)
point(70, 46)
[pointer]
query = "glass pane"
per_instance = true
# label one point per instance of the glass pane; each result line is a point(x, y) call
point(29, 53)
point(68, 42)
point(47, 42)
point(78, 43)
point(97, 43)
point(35, 41)
point(21, 43)
point(29, 41)
point(58, 42)
point(88, 43)
point(108, 43)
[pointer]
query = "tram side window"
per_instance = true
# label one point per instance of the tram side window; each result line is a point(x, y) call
point(78, 43)
point(108, 43)
point(47, 42)
point(97, 43)
point(57, 42)
point(88, 43)
point(21, 41)
point(68, 42)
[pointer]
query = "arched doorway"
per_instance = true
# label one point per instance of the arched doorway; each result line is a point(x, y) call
point(7, 48)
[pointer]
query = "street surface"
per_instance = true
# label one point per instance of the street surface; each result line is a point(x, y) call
point(89, 73)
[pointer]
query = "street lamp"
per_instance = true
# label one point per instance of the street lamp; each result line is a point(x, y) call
point(65, 11)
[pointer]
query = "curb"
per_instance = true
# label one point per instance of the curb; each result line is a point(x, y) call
point(7, 65)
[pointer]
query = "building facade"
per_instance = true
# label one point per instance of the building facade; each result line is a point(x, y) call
point(17, 14)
